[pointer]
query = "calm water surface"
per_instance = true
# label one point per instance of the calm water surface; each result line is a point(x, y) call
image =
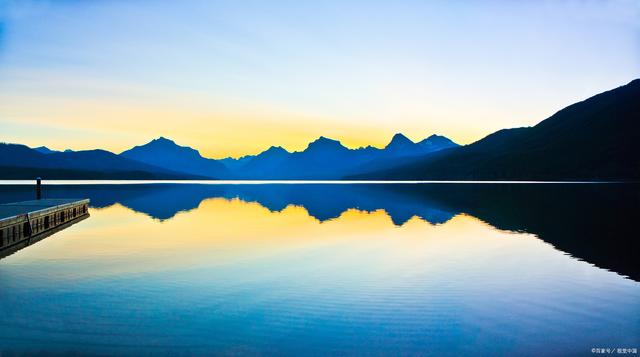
point(494, 269)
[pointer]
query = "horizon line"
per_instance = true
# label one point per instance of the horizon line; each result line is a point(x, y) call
point(25, 182)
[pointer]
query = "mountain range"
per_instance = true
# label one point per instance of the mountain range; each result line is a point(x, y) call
point(21, 162)
point(326, 158)
point(596, 139)
point(162, 158)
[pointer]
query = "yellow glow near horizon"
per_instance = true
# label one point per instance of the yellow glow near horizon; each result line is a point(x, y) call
point(231, 79)
point(228, 131)
point(117, 239)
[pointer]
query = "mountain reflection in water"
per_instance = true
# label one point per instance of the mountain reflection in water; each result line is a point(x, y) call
point(593, 222)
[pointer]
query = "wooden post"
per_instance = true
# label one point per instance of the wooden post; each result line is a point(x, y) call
point(38, 188)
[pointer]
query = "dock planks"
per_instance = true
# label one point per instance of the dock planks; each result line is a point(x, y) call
point(22, 223)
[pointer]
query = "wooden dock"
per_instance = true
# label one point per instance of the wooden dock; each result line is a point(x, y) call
point(24, 223)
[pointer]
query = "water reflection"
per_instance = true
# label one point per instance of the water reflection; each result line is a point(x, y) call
point(327, 270)
point(594, 222)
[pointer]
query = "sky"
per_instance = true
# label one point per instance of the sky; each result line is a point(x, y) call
point(232, 78)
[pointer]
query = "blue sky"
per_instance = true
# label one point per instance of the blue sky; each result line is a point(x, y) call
point(234, 77)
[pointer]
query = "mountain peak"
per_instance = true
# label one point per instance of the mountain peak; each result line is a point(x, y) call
point(324, 142)
point(44, 150)
point(165, 153)
point(399, 141)
point(162, 146)
point(276, 149)
point(325, 139)
point(163, 140)
point(437, 141)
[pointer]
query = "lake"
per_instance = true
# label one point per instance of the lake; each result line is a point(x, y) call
point(317, 269)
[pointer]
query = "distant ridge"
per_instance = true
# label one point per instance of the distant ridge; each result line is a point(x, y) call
point(162, 158)
point(44, 150)
point(326, 158)
point(163, 152)
point(21, 162)
point(596, 139)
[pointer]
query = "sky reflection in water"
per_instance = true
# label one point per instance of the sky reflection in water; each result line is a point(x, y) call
point(317, 269)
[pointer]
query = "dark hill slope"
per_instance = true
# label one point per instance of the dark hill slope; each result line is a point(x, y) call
point(596, 139)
